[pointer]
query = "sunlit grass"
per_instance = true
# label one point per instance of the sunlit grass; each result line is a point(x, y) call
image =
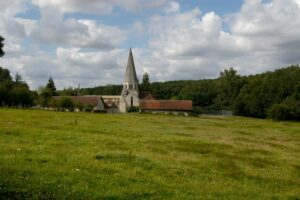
point(54, 155)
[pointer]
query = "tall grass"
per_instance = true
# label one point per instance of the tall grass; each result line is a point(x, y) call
point(53, 155)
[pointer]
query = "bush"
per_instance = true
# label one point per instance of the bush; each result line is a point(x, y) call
point(289, 109)
point(88, 108)
point(66, 103)
point(279, 112)
point(133, 109)
point(197, 110)
point(99, 111)
point(79, 105)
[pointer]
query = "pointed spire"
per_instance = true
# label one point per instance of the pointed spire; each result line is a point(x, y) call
point(130, 76)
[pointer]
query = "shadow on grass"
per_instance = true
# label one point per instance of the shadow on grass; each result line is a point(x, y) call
point(200, 147)
point(128, 159)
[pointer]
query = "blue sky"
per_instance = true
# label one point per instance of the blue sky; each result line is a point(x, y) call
point(87, 42)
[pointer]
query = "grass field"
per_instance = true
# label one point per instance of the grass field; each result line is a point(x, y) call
point(54, 155)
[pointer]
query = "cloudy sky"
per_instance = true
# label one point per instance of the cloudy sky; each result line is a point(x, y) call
point(87, 42)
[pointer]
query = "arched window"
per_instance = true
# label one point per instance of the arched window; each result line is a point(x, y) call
point(131, 101)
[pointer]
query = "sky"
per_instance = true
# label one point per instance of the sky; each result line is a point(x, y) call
point(86, 43)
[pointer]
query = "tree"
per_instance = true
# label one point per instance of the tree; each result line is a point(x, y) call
point(18, 79)
point(14, 93)
point(230, 85)
point(66, 103)
point(273, 94)
point(145, 86)
point(45, 94)
point(51, 87)
point(1, 46)
point(5, 75)
point(5, 86)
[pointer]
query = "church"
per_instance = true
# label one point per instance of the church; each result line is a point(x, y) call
point(132, 97)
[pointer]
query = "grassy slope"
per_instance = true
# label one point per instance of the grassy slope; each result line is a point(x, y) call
point(77, 155)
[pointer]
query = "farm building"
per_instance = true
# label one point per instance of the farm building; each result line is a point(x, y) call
point(177, 107)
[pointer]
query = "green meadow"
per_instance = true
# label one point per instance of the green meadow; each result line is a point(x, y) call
point(57, 155)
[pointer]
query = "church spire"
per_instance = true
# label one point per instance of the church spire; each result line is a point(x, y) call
point(130, 76)
point(130, 92)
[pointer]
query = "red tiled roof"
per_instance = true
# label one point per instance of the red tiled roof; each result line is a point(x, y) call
point(85, 100)
point(179, 105)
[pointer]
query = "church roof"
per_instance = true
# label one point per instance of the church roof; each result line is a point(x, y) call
point(170, 105)
point(130, 76)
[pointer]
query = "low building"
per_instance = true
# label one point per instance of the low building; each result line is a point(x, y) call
point(176, 107)
point(108, 104)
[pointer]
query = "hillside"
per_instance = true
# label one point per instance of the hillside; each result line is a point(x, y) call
point(54, 155)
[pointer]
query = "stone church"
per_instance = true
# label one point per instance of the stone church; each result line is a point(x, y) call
point(130, 93)
point(131, 96)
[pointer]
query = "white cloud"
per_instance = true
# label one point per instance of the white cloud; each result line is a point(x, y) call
point(172, 7)
point(10, 28)
point(263, 35)
point(192, 45)
point(271, 32)
point(101, 7)
point(70, 67)
point(93, 6)
point(52, 28)
point(10, 8)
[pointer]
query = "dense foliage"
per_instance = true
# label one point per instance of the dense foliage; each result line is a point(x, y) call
point(46, 93)
point(103, 90)
point(1, 46)
point(270, 93)
point(66, 103)
point(145, 85)
point(15, 92)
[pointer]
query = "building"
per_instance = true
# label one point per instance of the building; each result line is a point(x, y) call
point(177, 107)
point(132, 97)
point(130, 91)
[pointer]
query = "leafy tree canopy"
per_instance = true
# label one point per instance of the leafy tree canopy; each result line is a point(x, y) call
point(1, 46)
point(4, 75)
point(145, 86)
point(51, 87)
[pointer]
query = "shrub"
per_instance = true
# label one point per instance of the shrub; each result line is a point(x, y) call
point(289, 109)
point(66, 103)
point(99, 111)
point(133, 109)
point(88, 108)
point(279, 112)
point(197, 110)
point(79, 105)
